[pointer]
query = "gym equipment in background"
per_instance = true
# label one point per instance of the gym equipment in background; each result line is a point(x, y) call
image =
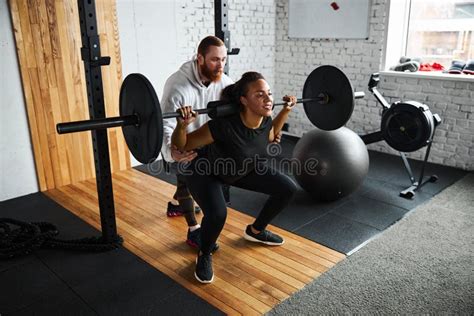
point(93, 61)
point(335, 89)
point(332, 163)
point(328, 103)
point(144, 148)
point(406, 126)
point(221, 28)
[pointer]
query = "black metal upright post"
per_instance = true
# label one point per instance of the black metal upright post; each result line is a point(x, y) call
point(221, 26)
point(90, 52)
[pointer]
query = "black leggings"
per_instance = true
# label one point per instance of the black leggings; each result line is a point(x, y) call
point(186, 203)
point(207, 192)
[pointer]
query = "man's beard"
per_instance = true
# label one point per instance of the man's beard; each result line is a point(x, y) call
point(209, 74)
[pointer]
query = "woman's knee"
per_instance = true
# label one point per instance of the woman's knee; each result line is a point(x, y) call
point(287, 188)
point(216, 216)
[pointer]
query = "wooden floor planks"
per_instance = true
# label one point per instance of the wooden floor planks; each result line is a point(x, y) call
point(249, 278)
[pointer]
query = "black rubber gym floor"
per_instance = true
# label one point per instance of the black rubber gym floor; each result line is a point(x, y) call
point(345, 224)
point(59, 282)
point(118, 282)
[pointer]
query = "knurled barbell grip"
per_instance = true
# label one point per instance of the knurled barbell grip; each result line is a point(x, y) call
point(357, 95)
point(168, 115)
point(299, 101)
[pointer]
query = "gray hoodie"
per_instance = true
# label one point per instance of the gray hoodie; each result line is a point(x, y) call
point(185, 88)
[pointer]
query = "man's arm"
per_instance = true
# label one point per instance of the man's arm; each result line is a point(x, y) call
point(171, 102)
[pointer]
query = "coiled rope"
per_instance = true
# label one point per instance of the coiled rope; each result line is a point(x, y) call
point(19, 238)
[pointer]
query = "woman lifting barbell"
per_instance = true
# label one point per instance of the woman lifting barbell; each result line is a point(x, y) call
point(238, 141)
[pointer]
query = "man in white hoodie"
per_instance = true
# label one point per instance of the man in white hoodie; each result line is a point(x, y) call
point(196, 83)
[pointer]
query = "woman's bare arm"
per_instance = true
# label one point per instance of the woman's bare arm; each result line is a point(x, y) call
point(185, 142)
point(281, 118)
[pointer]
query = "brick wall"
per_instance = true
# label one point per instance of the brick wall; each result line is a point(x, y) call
point(252, 26)
point(358, 58)
point(260, 29)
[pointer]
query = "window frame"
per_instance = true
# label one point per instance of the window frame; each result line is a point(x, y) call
point(396, 41)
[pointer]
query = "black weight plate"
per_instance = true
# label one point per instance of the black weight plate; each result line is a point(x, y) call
point(332, 81)
point(137, 96)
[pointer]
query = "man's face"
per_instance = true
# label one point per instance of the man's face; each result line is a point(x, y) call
point(212, 64)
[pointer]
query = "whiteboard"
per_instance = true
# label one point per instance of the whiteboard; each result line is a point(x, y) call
point(329, 19)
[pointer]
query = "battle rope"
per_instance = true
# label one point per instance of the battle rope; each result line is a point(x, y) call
point(19, 238)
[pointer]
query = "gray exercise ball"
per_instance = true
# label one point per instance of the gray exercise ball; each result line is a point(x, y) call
point(332, 164)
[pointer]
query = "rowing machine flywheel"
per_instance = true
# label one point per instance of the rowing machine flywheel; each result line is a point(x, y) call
point(408, 126)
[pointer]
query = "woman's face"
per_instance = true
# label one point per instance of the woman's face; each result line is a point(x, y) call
point(258, 98)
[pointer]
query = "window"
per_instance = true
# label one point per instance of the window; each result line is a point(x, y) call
point(433, 30)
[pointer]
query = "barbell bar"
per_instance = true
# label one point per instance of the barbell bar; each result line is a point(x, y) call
point(328, 100)
point(323, 99)
point(134, 119)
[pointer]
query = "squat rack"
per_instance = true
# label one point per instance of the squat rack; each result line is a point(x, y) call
point(93, 61)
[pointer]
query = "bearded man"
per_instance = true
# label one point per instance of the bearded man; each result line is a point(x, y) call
point(196, 83)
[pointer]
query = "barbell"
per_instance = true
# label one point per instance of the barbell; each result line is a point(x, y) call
point(328, 100)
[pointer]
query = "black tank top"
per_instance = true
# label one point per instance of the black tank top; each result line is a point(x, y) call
point(236, 149)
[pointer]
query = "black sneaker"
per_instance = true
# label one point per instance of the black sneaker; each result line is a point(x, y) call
point(265, 237)
point(204, 273)
point(456, 67)
point(173, 210)
point(194, 240)
point(469, 68)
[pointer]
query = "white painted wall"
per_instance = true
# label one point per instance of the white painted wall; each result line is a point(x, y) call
point(149, 40)
point(17, 169)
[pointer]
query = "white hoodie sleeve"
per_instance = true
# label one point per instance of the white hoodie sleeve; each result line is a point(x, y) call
point(184, 88)
point(171, 102)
